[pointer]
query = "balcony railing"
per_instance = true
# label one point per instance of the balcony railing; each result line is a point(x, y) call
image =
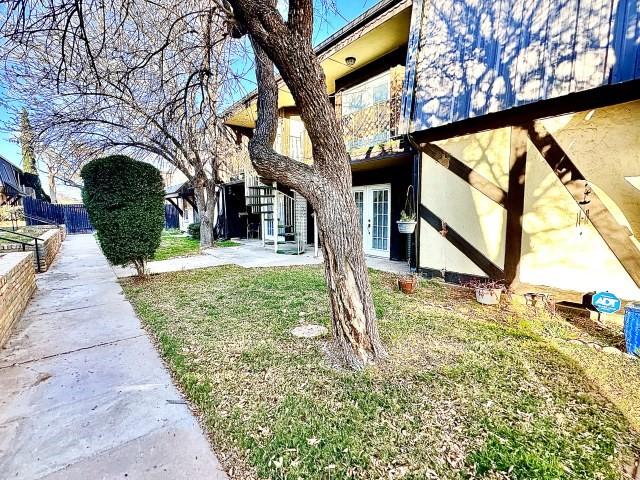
point(373, 125)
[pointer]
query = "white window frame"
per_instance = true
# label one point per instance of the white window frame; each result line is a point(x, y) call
point(296, 125)
point(366, 86)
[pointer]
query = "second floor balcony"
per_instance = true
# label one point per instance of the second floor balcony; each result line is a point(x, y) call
point(371, 126)
point(369, 113)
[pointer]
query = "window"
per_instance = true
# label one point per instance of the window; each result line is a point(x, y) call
point(277, 144)
point(366, 94)
point(296, 132)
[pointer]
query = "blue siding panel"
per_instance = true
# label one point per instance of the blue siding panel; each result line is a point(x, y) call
point(410, 72)
point(171, 217)
point(481, 56)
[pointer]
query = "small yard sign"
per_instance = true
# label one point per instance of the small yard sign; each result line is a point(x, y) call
point(606, 302)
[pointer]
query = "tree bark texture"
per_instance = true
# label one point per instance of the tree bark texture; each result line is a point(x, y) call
point(204, 202)
point(53, 191)
point(327, 183)
point(141, 267)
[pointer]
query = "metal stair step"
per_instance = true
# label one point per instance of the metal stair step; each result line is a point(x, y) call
point(281, 240)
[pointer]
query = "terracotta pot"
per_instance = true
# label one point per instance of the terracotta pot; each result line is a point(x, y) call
point(407, 285)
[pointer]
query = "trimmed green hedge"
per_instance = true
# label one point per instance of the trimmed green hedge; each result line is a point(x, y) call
point(125, 202)
point(194, 230)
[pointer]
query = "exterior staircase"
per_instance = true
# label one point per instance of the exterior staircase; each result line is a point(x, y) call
point(275, 208)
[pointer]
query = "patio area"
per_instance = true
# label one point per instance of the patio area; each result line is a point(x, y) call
point(251, 254)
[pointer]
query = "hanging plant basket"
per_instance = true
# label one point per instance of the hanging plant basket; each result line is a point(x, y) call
point(407, 222)
point(406, 226)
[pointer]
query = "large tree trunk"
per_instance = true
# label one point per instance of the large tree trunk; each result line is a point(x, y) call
point(352, 311)
point(206, 222)
point(53, 192)
point(326, 183)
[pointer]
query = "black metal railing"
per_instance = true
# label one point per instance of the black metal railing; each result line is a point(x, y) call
point(33, 241)
point(15, 219)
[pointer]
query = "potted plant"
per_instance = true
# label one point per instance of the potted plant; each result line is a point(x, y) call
point(407, 222)
point(408, 283)
point(488, 292)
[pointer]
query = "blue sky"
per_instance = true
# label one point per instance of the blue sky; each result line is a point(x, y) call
point(347, 11)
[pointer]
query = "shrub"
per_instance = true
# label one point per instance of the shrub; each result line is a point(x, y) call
point(33, 181)
point(7, 212)
point(125, 202)
point(194, 230)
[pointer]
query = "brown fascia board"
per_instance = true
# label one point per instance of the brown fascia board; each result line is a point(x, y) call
point(363, 20)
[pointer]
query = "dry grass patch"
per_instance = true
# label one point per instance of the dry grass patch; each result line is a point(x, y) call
point(468, 392)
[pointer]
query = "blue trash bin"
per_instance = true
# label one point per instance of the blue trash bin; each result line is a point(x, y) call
point(632, 328)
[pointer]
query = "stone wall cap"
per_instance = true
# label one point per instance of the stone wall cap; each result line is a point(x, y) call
point(49, 233)
point(9, 261)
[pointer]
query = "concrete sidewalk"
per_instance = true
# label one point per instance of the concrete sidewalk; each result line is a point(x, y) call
point(83, 391)
point(249, 254)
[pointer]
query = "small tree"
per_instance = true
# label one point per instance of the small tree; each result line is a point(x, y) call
point(125, 201)
point(26, 144)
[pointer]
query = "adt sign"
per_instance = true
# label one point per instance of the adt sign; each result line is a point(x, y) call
point(606, 302)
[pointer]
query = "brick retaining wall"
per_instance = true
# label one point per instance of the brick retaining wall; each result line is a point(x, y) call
point(48, 245)
point(17, 284)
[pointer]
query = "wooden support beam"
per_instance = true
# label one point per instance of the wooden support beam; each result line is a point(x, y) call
point(466, 173)
point(515, 205)
point(458, 241)
point(615, 235)
point(190, 202)
point(574, 102)
point(170, 200)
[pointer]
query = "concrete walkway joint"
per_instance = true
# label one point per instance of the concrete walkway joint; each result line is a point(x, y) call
point(84, 392)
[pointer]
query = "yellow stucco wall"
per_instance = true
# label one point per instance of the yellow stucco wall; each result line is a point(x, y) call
point(479, 220)
point(605, 146)
point(556, 252)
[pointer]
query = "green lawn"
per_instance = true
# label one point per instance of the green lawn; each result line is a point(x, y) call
point(174, 244)
point(7, 236)
point(467, 391)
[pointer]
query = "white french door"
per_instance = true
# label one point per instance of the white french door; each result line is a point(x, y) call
point(374, 214)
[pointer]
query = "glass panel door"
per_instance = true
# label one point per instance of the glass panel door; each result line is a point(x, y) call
point(374, 204)
point(380, 219)
point(359, 198)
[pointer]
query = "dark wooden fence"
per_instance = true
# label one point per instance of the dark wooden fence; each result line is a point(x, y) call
point(73, 216)
point(171, 216)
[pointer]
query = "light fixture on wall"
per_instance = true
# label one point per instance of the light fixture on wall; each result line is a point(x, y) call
point(350, 61)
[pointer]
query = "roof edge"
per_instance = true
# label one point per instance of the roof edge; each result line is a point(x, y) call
point(354, 25)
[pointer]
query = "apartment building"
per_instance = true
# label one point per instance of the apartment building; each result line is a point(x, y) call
point(516, 124)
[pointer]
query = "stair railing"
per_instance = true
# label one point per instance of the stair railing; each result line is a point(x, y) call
point(278, 219)
point(288, 225)
point(32, 241)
